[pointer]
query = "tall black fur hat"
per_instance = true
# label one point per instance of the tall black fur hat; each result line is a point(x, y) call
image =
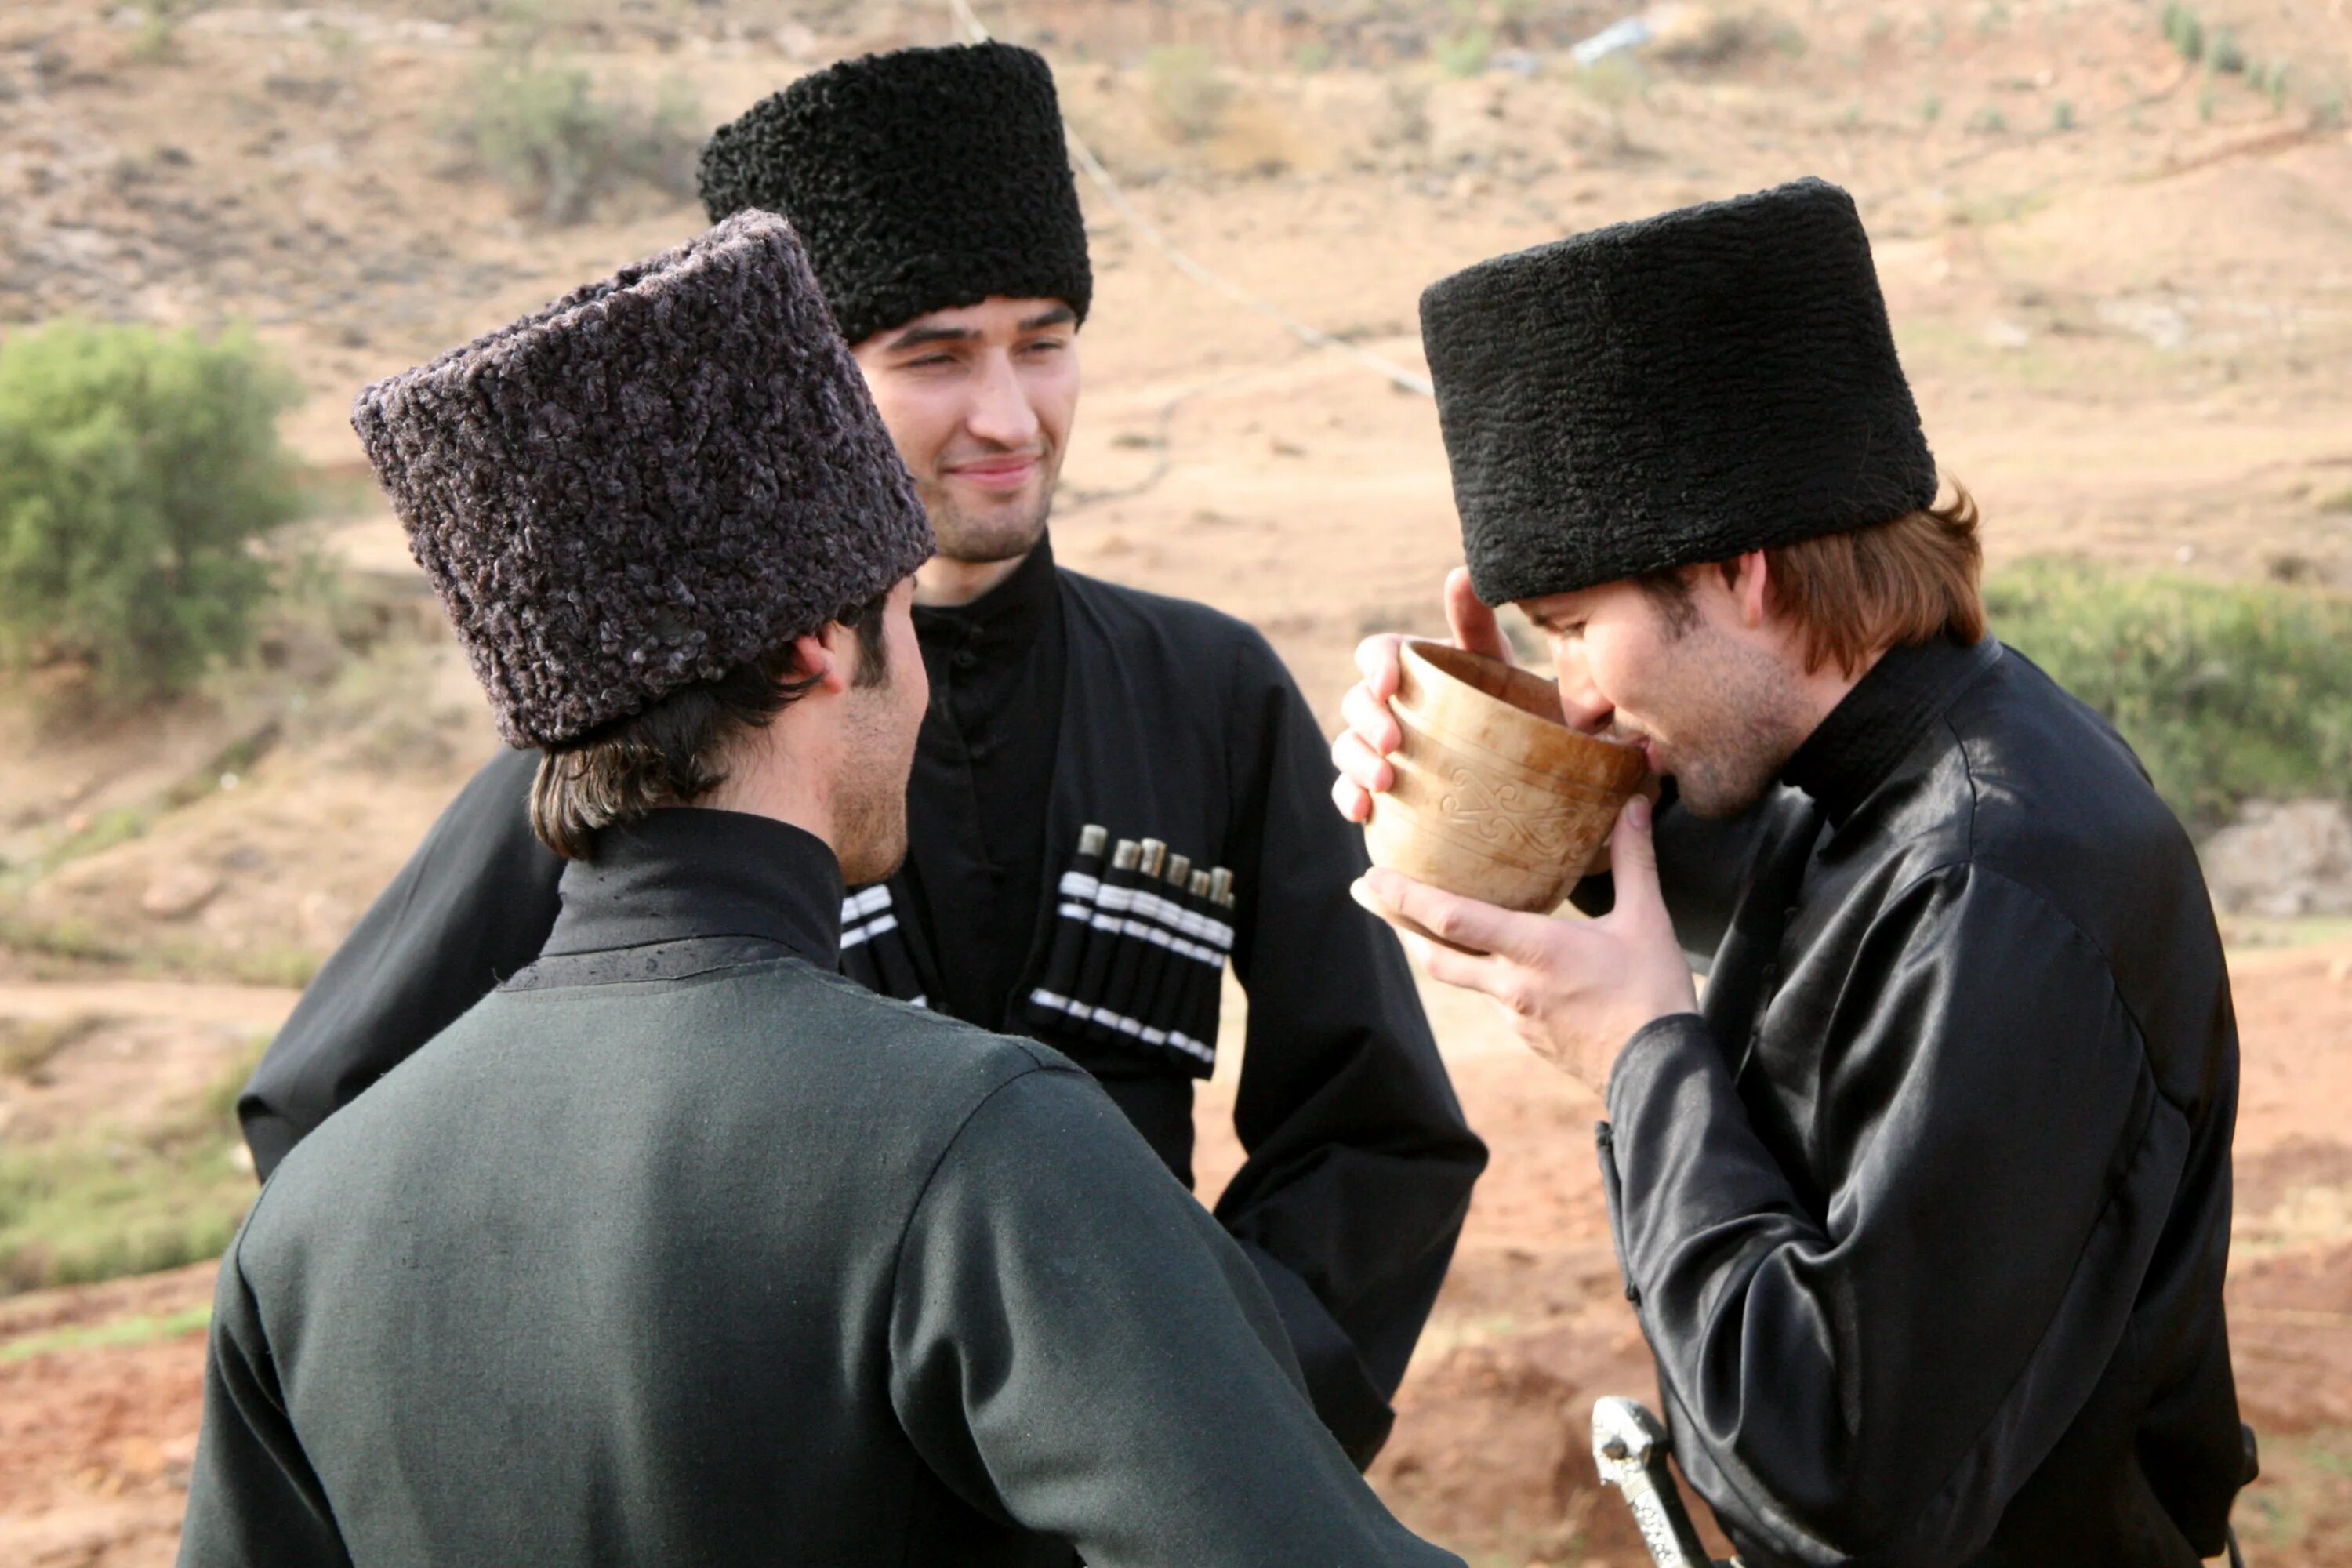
point(921, 180)
point(1712, 380)
point(649, 482)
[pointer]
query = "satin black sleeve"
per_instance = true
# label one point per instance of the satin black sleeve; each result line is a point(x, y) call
point(1871, 1384)
point(1359, 1164)
point(1078, 1348)
point(253, 1500)
point(473, 905)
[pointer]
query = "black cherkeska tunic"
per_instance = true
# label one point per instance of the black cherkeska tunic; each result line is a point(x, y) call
point(1057, 700)
point(1925, 1216)
point(681, 1248)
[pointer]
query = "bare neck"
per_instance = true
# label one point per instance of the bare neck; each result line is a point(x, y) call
point(1818, 692)
point(777, 773)
point(943, 583)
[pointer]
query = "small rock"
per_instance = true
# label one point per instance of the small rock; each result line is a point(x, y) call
point(325, 920)
point(2281, 860)
point(178, 892)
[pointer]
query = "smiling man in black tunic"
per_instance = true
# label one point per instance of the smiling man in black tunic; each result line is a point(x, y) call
point(679, 1247)
point(933, 190)
point(1925, 1206)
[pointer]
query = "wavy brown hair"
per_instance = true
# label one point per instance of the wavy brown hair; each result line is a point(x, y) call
point(1891, 585)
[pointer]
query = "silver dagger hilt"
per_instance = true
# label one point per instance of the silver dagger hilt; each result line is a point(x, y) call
point(1630, 1449)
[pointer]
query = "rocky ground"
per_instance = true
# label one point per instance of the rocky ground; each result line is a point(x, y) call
point(2121, 283)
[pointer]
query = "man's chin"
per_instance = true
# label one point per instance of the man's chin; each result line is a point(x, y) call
point(1714, 801)
point(870, 863)
point(980, 526)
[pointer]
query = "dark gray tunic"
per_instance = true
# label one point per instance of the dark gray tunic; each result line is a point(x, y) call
point(679, 1247)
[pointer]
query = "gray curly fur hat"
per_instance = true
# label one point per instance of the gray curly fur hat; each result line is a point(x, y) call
point(921, 180)
point(1718, 379)
point(651, 481)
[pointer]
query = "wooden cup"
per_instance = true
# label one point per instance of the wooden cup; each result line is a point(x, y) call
point(1495, 798)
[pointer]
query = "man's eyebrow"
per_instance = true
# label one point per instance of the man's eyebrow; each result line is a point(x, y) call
point(916, 337)
point(1053, 318)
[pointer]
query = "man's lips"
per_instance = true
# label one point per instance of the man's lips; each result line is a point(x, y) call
point(996, 473)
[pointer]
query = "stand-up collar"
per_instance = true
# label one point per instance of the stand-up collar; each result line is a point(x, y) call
point(1004, 621)
point(688, 872)
point(1853, 751)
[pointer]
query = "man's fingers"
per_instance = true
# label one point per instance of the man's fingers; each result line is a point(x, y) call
point(1371, 720)
point(1459, 923)
point(1361, 765)
point(1482, 973)
point(1633, 862)
point(1349, 796)
point(1377, 658)
point(1473, 623)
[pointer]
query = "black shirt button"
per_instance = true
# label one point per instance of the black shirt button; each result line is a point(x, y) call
point(965, 659)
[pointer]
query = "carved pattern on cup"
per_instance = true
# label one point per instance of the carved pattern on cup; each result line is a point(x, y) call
point(1505, 814)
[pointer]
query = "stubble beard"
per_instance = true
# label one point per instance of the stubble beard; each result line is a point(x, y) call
point(1737, 731)
point(998, 534)
point(869, 811)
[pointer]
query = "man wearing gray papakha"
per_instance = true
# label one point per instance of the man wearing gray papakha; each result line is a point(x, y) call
point(1925, 1208)
point(680, 1248)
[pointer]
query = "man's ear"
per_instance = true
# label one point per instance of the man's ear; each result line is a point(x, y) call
point(826, 656)
point(1750, 578)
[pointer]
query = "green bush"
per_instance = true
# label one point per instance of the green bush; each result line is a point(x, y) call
point(100, 1203)
point(2228, 692)
point(544, 131)
point(2185, 33)
point(1465, 53)
point(1187, 94)
point(137, 469)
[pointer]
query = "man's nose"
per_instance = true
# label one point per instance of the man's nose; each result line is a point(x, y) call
point(1001, 414)
point(1581, 703)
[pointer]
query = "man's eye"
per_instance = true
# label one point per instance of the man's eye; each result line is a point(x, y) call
point(1045, 346)
point(930, 362)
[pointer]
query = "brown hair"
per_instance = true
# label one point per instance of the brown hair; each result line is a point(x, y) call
point(674, 752)
point(1891, 585)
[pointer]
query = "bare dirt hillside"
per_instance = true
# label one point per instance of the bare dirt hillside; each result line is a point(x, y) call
point(2121, 283)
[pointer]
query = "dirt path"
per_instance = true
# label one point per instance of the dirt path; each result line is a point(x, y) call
point(257, 1008)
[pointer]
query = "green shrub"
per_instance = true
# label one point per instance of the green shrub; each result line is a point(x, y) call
point(137, 469)
point(2228, 692)
point(98, 1203)
point(1188, 95)
point(2185, 33)
point(1465, 53)
point(544, 131)
point(2226, 56)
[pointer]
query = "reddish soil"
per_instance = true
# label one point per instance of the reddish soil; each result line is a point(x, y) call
point(1491, 1454)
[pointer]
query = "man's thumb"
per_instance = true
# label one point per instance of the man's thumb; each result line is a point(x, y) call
point(1475, 625)
point(1634, 858)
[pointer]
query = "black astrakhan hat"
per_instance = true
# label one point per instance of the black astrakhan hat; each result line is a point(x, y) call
point(1714, 380)
point(651, 481)
point(921, 180)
